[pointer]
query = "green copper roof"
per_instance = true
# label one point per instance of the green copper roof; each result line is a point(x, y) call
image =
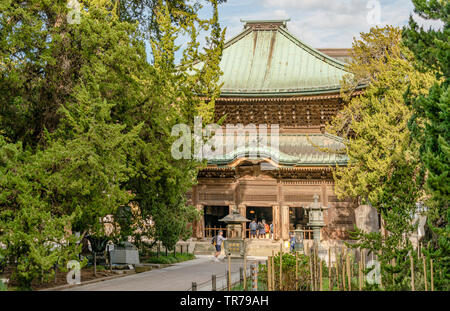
point(294, 150)
point(266, 60)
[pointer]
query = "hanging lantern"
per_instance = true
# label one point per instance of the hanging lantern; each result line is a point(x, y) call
point(208, 210)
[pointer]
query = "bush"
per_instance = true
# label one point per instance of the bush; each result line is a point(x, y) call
point(169, 259)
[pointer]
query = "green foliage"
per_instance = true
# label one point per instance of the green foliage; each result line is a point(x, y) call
point(169, 259)
point(3, 287)
point(430, 123)
point(86, 125)
point(384, 169)
point(35, 237)
point(289, 272)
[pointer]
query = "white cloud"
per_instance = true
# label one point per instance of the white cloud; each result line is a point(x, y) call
point(319, 23)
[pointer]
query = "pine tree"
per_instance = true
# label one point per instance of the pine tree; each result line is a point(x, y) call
point(430, 123)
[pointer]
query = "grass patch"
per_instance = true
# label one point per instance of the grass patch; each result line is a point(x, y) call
point(169, 259)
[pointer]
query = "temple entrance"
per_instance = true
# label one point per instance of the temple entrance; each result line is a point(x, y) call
point(259, 213)
point(212, 214)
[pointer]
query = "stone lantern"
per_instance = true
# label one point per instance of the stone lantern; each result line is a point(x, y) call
point(234, 244)
point(316, 221)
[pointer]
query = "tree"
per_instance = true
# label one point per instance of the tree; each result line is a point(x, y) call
point(429, 125)
point(35, 238)
point(383, 169)
point(160, 182)
point(91, 120)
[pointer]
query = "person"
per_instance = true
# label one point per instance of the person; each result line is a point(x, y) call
point(261, 229)
point(271, 230)
point(217, 241)
point(253, 227)
point(292, 241)
point(266, 229)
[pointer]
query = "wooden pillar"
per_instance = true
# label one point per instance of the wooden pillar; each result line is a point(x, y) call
point(285, 222)
point(276, 216)
point(199, 225)
point(243, 211)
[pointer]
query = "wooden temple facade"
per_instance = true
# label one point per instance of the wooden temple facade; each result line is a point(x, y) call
point(272, 78)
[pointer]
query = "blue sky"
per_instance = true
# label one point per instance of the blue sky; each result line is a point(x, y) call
point(320, 23)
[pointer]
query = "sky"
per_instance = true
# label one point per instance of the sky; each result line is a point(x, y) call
point(319, 23)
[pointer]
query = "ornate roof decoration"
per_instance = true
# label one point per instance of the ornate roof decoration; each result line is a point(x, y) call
point(294, 150)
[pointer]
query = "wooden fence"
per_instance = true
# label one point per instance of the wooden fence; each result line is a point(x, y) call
point(213, 231)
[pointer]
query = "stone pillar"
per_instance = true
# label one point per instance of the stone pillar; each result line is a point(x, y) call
point(285, 222)
point(199, 225)
point(243, 211)
point(276, 222)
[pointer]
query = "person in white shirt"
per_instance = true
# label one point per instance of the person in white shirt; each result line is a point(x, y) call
point(218, 244)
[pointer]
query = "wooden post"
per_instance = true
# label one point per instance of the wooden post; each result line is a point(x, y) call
point(360, 274)
point(431, 271)
point(241, 276)
point(320, 276)
point(316, 268)
point(425, 273)
point(412, 272)
point(381, 274)
point(281, 266)
point(329, 270)
point(343, 270)
point(56, 272)
point(245, 272)
point(213, 282)
point(349, 276)
point(273, 271)
point(269, 273)
point(157, 250)
point(393, 274)
point(337, 269)
point(311, 272)
point(363, 266)
point(95, 263)
point(254, 278)
point(194, 286)
point(296, 270)
point(229, 272)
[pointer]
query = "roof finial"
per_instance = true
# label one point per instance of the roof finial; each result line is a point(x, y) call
point(265, 24)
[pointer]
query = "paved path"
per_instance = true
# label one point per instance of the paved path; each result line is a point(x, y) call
point(177, 277)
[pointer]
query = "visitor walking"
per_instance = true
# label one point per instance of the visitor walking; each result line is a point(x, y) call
point(292, 241)
point(253, 226)
point(217, 241)
point(266, 229)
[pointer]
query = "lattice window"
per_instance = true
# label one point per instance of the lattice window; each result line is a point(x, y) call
point(261, 197)
point(216, 196)
point(299, 197)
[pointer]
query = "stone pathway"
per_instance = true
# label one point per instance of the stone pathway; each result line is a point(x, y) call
point(178, 277)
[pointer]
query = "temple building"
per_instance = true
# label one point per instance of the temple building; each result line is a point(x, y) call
point(272, 78)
